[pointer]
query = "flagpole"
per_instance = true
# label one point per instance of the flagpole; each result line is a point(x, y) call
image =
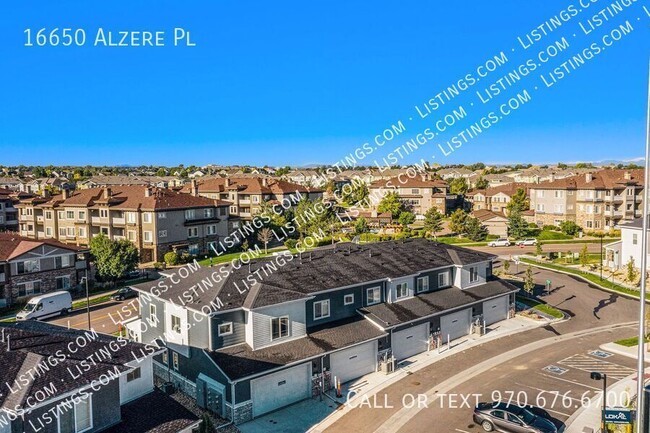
point(644, 258)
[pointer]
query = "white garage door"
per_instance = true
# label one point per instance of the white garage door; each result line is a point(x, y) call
point(495, 310)
point(409, 342)
point(354, 362)
point(455, 324)
point(281, 389)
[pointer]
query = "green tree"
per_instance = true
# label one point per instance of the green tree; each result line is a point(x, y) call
point(265, 235)
point(538, 249)
point(282, 171)
point(518, 202)
point(113, 259)
point(457, 221)
point(391, 203)
point(569, 228)
point(475, 230)
point(433, 221)
point(458, 186)
point(356, 193)
point(161, 172)
point(482, 183)
point(584, 256)
point(529, 282)
point(406, 218)
point(517, 225)
point(631, 272)
point(313, 216)
point(361, 226)
point(506, 266)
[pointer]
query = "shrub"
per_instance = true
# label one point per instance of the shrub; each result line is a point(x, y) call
point(159, 266)
point(171, 258)
point(290, 243)
point(569, 228)
point(551, 227)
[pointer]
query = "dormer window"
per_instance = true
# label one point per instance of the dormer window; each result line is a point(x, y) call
point(402, 290)
point(443, 279)
point(473, 274)
point(321, 309)
point(422, 284)
point(279, 327)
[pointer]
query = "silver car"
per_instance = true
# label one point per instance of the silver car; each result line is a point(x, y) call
point(507, 418)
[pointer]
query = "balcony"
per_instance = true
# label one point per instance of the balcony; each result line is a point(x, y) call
point(95, 220)
point(39, 218)
point(26, 217)
point(119, 221)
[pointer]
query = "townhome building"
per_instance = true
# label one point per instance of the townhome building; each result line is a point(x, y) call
point(599, 200)
point(8, 213)
point(112, 181)
point(628, 249)
point(306, 178)
point(247, 339)
point(419, 194)
point(495, 199)
point(11, 183)
point(156, 220)
point(247, 194)
point(29, 267)
point(58, 380)
point(36, 186)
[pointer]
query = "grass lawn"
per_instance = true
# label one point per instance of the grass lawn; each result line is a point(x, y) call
point(630, 342)
point(540, 306)
point(548, 235)
point(589, 277)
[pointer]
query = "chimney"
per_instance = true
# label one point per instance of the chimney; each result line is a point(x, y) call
point(66, 193)
point(227, 182)
point(373, 214)
point(589, 177)
point(107, 193)
point(627, 175)
point(194, 189)
point(424, 177)
point(265, 182)
point(147, 192)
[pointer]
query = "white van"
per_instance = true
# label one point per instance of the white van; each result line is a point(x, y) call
point(48, 305)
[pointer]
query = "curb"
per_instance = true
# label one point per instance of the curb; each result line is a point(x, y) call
point(611, 347)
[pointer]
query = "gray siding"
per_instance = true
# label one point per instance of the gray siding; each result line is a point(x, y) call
point(462, 274)
point(151, 332)
point(238, 335)
point(338, 310)
point(433, 278)
point(261, 323)
point(199, 332)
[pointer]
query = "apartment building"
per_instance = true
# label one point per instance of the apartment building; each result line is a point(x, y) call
point(340, 312)
point(495, 199)
point(156, 220)
point(112, 181)
point(246, 194)
point(419, 194)
point(599, 200)
point(8, 213)
point(29, 267)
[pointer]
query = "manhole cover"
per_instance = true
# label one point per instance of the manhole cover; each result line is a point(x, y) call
point(555, 369)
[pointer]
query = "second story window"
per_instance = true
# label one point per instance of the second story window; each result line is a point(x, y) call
point(28, 266)
point(279, 327)
point(162, 215)
point(153, 318)
point(146, 217)
point(348, 299)
point(189, 214)
point(131, 217)
point(48, 215)
point(443, 279)
point(422, 284)
point(473, 274)
point(62, 262)
point(224, 329)
point(321, 309)
point(176, 324)
point(373, 295)
point(192, 232)
point(402, 290)
point(103, 213)
point(208, 213)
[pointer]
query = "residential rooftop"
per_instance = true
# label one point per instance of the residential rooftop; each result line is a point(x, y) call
point(13, 245)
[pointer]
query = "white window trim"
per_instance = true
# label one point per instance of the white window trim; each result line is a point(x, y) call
point(425, 286)
point(153, 311)
point(345, 301)
point(90, 406)
point(271, 319)
point(324, 301)
point(175, 361)
point(222, 334)
point(470, 275)
point(446, 281)
point(176, 329)
point(397, 287)
point(378, 288)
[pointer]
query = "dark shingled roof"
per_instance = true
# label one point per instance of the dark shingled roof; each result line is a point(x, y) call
point(427, 304)
point(319, 270)
point(241, 361)
point(33, 351)
point(154, 413)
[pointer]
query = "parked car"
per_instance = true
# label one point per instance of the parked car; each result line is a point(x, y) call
point(510, 418)
point(501, 242)
point(124, 293)
point(48, 305)
point(527, 242)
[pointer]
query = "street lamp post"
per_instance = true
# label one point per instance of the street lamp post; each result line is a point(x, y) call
point(602, 376)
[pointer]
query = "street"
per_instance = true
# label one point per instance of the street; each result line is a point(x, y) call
point(546, 367)
point(104, 317)
point(515, 250)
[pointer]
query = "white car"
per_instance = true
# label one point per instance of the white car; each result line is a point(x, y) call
point(501, 242)
point(527, 242)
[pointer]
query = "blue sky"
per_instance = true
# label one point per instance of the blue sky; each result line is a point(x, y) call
point(305, 82)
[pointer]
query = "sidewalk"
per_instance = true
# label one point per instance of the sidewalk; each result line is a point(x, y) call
point(366, 386)
point(630, 352)
point(588, 417)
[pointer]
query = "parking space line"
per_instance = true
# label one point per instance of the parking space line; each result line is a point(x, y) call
point(461, 431)
point(555, 411)
point(572, 382)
